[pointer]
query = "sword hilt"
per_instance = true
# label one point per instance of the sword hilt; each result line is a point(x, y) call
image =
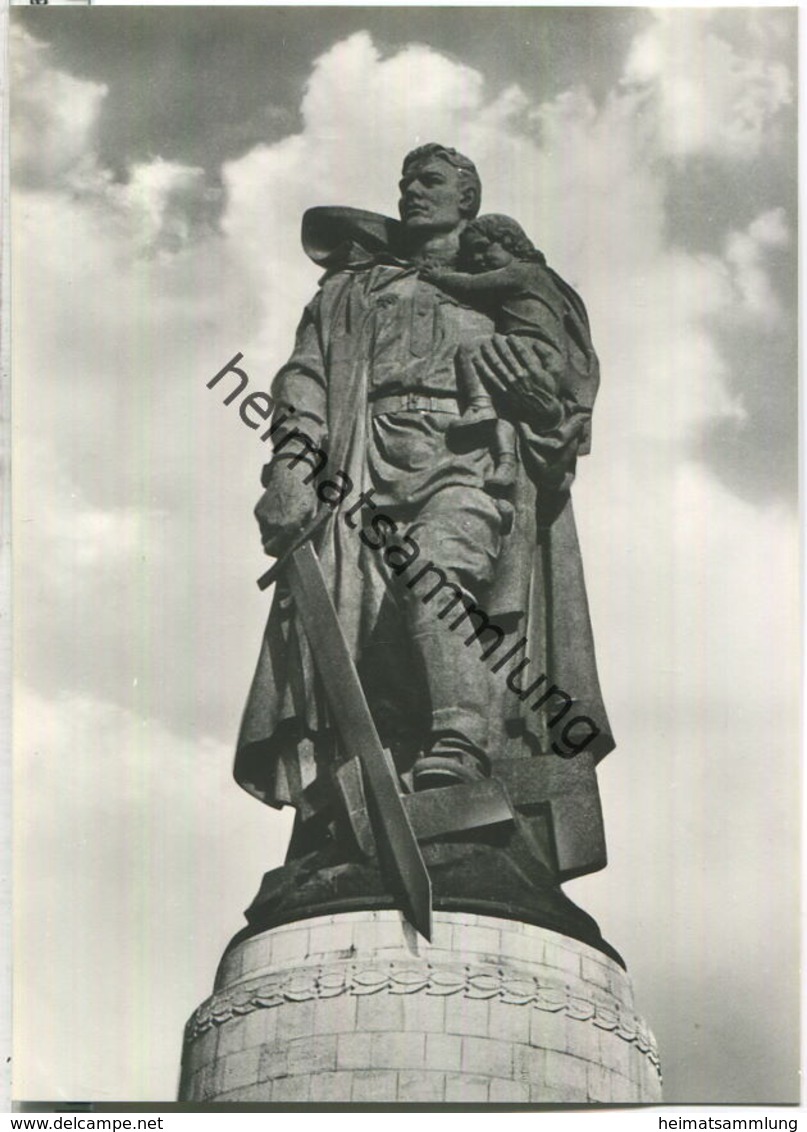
point(271, 575)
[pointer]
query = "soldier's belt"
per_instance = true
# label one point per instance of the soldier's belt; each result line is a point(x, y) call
point(415, 402)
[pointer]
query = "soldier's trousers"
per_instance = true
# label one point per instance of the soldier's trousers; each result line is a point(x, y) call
point(457, 537)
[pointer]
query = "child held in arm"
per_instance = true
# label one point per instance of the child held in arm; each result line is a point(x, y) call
point(504, 275)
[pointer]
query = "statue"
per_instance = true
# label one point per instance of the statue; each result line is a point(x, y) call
point(425, 436)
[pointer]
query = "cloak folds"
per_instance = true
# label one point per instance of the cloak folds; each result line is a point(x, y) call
point(538, 597)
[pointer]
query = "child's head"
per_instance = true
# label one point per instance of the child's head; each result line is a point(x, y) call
point(494, 241)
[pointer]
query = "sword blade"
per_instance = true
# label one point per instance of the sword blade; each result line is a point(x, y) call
point(357, 729)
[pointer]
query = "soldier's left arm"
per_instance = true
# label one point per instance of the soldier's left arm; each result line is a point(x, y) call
point(553, 411)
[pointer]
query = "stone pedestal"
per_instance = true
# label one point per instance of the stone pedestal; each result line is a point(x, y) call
point(357, 1008)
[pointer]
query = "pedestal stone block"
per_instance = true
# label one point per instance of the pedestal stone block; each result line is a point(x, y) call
point(357, 1007)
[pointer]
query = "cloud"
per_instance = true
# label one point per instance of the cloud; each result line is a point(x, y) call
point(372, 84)
point(756, 452)
point(746, 251)
point(170, 204)
point(54, 118)
point(55, 125)
point(707, 97)
point(127, 469)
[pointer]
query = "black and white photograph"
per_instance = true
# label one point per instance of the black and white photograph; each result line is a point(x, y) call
point(406, 578)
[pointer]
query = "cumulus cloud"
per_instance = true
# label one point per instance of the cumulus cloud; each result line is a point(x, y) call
point(168, 203)
point(707, 97)
point(54, 117)
point(54, 138)
point(746, 253)
point(372, 85)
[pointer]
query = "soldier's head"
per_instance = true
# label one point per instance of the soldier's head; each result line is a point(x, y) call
point(439, 189)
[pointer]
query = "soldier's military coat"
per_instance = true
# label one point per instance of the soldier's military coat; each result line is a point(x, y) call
point(377, 336)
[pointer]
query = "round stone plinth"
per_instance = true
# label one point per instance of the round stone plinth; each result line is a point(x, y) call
point(358, 1008)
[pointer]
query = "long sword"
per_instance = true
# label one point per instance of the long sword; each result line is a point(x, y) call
point(357, 729)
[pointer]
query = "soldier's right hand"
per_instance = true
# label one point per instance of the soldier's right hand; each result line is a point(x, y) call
point(286, 506)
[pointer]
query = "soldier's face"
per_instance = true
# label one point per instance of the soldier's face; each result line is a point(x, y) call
point(432, 197)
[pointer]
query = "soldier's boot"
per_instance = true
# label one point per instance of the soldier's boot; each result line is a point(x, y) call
point(458, 690)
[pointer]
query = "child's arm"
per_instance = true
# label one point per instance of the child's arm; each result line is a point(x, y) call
point(500, 281)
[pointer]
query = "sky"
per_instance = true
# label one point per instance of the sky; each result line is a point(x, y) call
point(161, 161)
